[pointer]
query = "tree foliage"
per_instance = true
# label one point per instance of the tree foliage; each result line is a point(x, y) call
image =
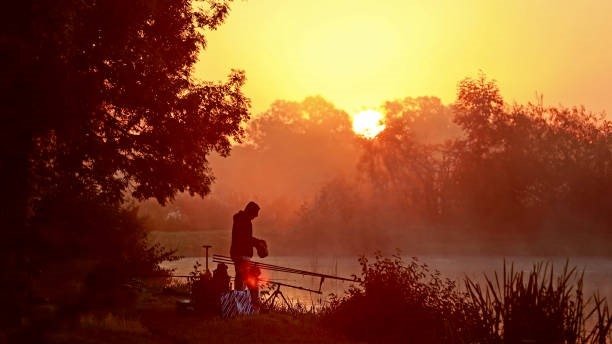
point(524, 164)
point(99, 103)
point(403, 160)
point(106, 98)
point(509, 170)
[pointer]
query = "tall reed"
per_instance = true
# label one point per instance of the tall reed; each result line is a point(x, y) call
point(539, 307)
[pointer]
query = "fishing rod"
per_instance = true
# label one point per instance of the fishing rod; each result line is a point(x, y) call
point(290, 286)
point(217, 258)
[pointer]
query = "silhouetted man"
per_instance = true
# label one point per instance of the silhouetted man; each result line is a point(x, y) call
point(241, 250)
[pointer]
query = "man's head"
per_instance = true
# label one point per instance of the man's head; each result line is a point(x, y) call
point(252, 210)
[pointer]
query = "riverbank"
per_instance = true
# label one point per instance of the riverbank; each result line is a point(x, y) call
point(395, 301)
point(156, 320)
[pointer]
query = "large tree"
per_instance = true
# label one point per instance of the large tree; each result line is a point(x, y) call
point(98, 101)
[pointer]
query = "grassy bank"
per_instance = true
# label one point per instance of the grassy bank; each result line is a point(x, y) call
point(156, 320)
point(166, 327)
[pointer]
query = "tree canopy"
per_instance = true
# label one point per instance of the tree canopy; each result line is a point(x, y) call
point(102, 93)
point(99, 103)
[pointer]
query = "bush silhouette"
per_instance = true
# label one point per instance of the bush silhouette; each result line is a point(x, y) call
point(407, 302)
point(404, 302)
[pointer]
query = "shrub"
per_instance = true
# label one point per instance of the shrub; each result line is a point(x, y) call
point(408, 303)
point(98, 248)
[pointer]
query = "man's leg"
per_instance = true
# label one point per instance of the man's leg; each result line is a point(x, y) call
point(252, 282)
point(239, 279)
point(254, 290)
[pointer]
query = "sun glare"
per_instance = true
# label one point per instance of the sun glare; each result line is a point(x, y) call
point(368, 123)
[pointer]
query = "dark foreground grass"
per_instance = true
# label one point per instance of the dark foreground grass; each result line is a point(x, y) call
point(157, 321)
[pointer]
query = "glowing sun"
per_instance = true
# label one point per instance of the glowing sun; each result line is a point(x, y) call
point(368, 123)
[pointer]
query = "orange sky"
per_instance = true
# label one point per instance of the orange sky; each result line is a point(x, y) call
point(360, 53)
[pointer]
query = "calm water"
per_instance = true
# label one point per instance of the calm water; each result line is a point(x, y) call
point(597, 271)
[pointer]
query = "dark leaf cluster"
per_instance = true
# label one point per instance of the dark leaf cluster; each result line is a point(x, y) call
point(404, 302)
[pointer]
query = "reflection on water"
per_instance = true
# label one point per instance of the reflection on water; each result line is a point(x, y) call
point(597, 271)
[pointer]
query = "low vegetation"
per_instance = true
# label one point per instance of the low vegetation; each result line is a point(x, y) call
point(410, 303)
point(395, 301)
point(540, 307)
point(399, 302)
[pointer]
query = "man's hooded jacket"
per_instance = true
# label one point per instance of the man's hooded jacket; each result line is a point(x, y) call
point(242, 236)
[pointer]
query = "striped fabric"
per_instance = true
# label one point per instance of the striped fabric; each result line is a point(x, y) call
point(236, 302)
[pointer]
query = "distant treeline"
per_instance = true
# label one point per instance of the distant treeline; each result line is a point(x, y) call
point(478, 175)
point(525, 177)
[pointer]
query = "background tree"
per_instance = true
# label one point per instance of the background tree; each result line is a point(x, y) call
point(404, 160)
point(528, 168)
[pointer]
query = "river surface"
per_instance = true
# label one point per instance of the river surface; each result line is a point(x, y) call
point(597, 271)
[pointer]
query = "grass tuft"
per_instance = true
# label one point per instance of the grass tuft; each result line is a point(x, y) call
point(111, 323)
